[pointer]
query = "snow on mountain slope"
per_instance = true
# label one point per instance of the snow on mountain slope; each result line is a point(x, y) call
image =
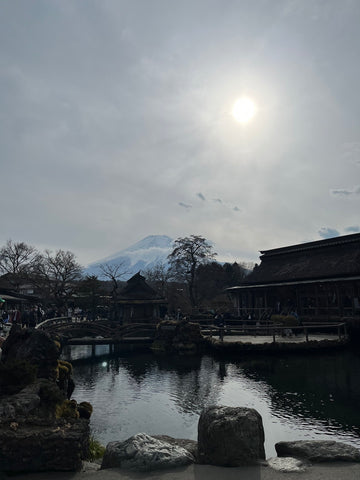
point(142, 255)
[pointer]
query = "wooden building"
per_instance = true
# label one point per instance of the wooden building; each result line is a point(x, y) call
point(316, 280)
point(139, 303)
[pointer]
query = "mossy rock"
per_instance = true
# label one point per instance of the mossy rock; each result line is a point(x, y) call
point(67, 409)
point(85, 410)
point(15, 375)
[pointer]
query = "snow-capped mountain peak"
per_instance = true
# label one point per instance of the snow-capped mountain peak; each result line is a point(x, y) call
point(141, 256)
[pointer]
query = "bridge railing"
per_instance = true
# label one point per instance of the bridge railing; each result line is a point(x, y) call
point(54, 321)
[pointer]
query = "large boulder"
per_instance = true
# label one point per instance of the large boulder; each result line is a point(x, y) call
point(142, 452)
point(318, 451)
point(230, 436)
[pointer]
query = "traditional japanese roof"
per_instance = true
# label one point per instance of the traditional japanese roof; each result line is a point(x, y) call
point(325, 259)
point(10, 295)
point(136, 288)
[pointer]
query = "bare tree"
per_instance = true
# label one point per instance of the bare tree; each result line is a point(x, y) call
point(56, 275)
point(158, 275)
point(16, 260)
point(188, 254)
point(114, 272)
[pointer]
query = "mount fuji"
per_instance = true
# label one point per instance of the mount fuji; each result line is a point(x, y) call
point(141, 256)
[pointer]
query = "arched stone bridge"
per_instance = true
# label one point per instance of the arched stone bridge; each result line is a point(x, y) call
point(70, 328)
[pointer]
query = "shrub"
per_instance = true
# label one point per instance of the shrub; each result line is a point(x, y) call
point(288, 320)
point(67, 409)
point(96, 450)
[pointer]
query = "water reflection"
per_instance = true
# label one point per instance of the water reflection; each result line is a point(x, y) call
point(298, 397)
point(325, 388)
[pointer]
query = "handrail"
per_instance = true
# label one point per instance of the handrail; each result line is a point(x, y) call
point(221, 331)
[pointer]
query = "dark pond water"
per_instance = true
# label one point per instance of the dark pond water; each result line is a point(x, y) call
point(298, 397)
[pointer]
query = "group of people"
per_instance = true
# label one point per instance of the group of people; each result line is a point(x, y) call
point(29, 317)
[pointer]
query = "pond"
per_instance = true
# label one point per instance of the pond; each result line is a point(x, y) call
point(298, 396)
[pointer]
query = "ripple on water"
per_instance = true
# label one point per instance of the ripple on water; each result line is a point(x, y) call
point(140, 393)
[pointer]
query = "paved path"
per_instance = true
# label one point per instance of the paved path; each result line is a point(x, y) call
point(259, 339)
point(325, 471)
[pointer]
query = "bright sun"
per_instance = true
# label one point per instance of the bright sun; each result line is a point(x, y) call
point(244, 110)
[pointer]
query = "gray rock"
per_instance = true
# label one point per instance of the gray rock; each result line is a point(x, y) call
point(28, 406)
point(230, 436)
point(142, 452)
point(13, 407)
point(287, 464)
point(319, 451)
point(189, 445)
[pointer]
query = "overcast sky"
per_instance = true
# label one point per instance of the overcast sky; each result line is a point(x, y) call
point(116, 123)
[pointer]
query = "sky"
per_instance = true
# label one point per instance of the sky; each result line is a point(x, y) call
point(116, 123)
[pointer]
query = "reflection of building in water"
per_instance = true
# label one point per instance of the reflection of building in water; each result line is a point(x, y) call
point(322, 387)
point(139, 303)
point(198, 388)
point(317, 280)
point(194, 380)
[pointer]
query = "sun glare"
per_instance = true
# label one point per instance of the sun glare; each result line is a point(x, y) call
point(244, 110)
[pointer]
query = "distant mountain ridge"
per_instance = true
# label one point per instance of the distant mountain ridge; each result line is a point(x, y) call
point(140, 256)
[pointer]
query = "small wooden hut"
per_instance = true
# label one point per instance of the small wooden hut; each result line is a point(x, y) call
point(139, 303)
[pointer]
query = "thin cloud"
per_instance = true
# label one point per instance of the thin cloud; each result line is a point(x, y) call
point(326, 232)
point(346, 192)
point(352, 229)
point(236, 209)
point(217, 200)
point(351, 152)
point(201, 196)
point(185, 205)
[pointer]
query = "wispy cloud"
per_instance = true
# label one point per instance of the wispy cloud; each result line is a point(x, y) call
point(352, 229)
point(326, 232)
point(217, 200)
point(351, 152)
point(346, 192)
point(185, 205)
point(201, 196)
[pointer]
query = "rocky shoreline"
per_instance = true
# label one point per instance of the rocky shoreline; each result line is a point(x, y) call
point(43, 429)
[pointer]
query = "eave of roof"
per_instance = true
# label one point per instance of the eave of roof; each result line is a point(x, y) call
point(300, 282)
point(345, 239)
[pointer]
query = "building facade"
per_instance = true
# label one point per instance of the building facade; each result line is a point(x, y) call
point(317, 281)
